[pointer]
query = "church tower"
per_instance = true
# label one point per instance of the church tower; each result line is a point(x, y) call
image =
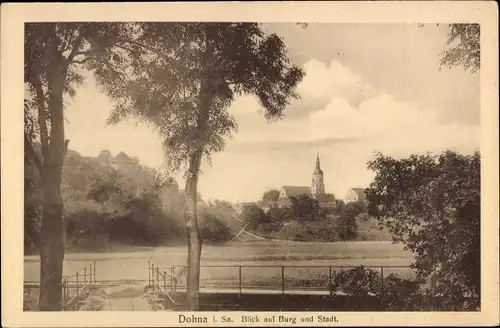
point(318, 186)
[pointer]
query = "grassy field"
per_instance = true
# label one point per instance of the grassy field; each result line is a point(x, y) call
point(260, 264)
point(134, 264)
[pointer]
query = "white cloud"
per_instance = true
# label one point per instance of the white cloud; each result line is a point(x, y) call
point(325, 81)
point(394, 126)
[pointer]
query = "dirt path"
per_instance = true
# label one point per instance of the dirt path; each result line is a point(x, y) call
point(125, 297)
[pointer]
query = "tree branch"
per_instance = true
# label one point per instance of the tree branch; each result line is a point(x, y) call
point(81, 61)
point(74, 51)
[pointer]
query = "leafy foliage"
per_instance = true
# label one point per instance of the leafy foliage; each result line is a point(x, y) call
point(464, 49)
point(271, 196)
point(103, 206)
point(358, 281)
point(212, 230)
point(347, 221)
point(253, 214)
point(432, 205)
point(402, 294)
point(305, 207)
point(168, 63)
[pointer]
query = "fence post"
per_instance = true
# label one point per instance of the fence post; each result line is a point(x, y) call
point(77, 283)
point(153, 277)
point(382, 287)
point(330, 282)
point(149, 272)
point(239, 280)
point(157, 281)
point(95, 280)
point(172, 278)
point(283, 280)
point(175, 282)
point(64, 293)
point(164, 281)
point(84, 278)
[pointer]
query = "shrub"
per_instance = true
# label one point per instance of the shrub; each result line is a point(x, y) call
point(358, 281)
point(212, 230)
point(403, 294)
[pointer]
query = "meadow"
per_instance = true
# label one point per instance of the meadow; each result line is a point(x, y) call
point(133, 265)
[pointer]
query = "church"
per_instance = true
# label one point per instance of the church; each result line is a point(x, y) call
point(316, 191)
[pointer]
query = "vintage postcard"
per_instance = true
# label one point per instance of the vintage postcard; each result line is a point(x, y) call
point(250, 164)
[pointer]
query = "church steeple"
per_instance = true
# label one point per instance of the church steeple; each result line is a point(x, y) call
point(318, 165)
point(318, 186)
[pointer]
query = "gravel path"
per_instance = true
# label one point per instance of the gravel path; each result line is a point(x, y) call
point(125, 297)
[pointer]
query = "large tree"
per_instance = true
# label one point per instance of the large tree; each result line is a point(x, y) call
point(183, 87)
point(271, 196)
point(52, 56)
point(431, 203)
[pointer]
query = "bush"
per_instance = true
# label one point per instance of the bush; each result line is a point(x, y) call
point(305, 207)
point(85, 225)
point(359, 281)
point(212, 230)
point(398, 294)
point(404, 294)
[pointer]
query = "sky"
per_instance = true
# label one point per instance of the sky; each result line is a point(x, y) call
point(367, 88)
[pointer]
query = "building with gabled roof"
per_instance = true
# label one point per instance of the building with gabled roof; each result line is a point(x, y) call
point(294, 191)
point(121, 162)
point(121, 158)
point(355, 195)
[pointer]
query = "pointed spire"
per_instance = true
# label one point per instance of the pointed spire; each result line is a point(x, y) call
point(318, 166)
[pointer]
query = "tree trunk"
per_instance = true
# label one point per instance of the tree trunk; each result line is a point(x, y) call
point(51, 257)
point(52, 227)
point(191, 193)
point(193, 233)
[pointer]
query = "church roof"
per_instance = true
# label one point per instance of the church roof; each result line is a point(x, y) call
point(121, 158)
point(295, 191)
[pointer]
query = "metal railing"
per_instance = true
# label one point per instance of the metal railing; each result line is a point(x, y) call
point(74, 287)
point(163, 283)
point(286, 280)
point(78, 285)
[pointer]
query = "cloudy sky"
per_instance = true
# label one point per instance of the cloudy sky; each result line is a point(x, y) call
point(367, 88)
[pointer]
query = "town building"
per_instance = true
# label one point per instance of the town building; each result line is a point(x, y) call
point(355, 195)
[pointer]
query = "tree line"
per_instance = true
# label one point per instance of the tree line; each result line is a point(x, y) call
point(306, 220)
point(104, 207)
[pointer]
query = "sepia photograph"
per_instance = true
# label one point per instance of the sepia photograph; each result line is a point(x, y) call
point(272, 169)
